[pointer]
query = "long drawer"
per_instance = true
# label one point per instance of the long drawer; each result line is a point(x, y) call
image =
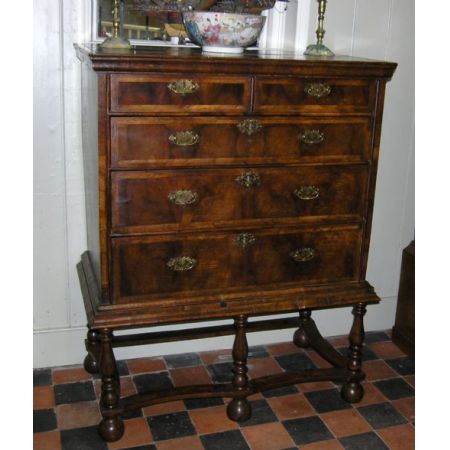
point(179, 94)
point(188, 199)
point(141, 142)
point(162, 267)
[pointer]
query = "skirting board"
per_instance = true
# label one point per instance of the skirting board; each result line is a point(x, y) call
point(61, 347)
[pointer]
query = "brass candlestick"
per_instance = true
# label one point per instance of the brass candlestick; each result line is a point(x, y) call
point(115, 41)
point(318, 49)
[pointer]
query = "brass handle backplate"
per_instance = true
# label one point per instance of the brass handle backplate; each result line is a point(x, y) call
point(248, 179)
point(318, 90)
point(312, 137)
point(183, 87)
point(244, 240)
point(181, 263)
point(184, 138)
point(303, 254)
point(249, 127)
point(183, 197)
point(307, 192)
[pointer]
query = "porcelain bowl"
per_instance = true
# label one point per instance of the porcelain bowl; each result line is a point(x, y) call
point(221, 32)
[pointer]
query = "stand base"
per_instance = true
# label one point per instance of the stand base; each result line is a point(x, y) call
point(115, 43)
point(318, 50)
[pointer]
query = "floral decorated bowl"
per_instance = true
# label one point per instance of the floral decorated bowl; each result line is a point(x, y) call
point(221, 32)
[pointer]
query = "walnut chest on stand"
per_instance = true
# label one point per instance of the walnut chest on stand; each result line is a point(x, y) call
point(221, 187)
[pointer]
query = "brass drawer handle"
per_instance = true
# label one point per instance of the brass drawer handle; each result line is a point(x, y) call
point(311, 137)
point(318, 90)
point(307, 192)
point(244, 240)
point(184, 138)
point(183, 87)
point(303, 254)
point(249, 127)
point(183, 198)
point(181, 263)
point(249, 179)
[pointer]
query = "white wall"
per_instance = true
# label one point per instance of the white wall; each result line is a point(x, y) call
point(382, 29)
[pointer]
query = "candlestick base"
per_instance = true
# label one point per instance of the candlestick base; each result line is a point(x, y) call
point(113, 43)
point(318, 50)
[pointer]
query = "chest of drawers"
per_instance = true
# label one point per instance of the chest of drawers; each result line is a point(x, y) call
point(226, 188)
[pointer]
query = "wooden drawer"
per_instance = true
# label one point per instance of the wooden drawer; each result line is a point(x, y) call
point(309, 95)
point(162, 267)
point(187, 199)
point(179, 94)
point(148, 142)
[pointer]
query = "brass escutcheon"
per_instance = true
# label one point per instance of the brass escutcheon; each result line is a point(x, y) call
point(184, 138)
point(318, 90)
point(303, 254)
point(312, 137)
point(183, 197)
point(181, 263)
point(183, 87)
point(249, 126)
point(248, 179)
point(307, 192)
point(243, 240)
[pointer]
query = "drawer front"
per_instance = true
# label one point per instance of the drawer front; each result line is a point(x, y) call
point(154, 201)
point(149, 142)
point(163, 266)
point(301, 95)
point(179, 94)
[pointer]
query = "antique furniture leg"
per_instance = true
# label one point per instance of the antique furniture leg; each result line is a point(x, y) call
point(300, 336)
point(111, 428)
point(352, 391)
point(239, 408)
point(92, 343)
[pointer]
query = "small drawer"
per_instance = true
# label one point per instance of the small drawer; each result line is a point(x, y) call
point(179, 94)
point(144, 202)
point(318, 96)
point(146, 142)
point(161, 267)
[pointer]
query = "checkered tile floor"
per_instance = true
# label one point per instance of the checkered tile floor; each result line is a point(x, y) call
point(307, 416)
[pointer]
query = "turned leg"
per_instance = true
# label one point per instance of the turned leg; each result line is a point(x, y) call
point(111, 428)
point(300, 337)
point(92, 344)
point(352, 391)
point(239, 408)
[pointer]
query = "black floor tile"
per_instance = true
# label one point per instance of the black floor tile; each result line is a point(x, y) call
point(307, 430)
point(171, 426)
point(82, 439)
point(220, 372)
point(294, 362)
point(142, 447)
point(367, 354)
point(152, 381)
point(42, 377)
point(327, 400)
point(258, 351)
point(228, 440)
point(365, 441)
point(403, 366)
point(196, 403)
point(395, 388)
point(278, 392)
point(80, 391)
point(375, 336)
point(44, 420)
point(183, 360)
point(381, 415)
point(261, 413)
point(135, 413)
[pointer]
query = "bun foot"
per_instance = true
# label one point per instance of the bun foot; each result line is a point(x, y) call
point(91, 365)
point(111, 429)
point(239, 410)
point(352, 392)
point(300, 338)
